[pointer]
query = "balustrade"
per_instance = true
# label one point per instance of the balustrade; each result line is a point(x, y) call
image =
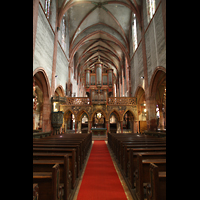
point(122, 101)
point(77, 101)
point(112, 101)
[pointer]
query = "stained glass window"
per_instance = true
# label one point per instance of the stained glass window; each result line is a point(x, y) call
point(47, 8)
point(134, 33)
point(63, 41)
point(150, 9)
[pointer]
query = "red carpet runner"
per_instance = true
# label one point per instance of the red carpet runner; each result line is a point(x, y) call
point(100, 180)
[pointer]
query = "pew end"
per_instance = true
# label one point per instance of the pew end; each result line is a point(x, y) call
point(156, 189)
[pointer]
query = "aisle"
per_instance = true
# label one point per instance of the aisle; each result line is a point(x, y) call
point(100, 180)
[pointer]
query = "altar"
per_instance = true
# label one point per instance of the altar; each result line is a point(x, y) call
point(98, 131)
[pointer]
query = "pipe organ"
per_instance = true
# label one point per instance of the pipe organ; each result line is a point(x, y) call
point(99, 83)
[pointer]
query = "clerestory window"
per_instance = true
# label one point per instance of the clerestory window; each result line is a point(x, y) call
point(150, 9)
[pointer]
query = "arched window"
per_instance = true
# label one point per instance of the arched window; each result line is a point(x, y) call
point(150, 9)
point(63, 41)
point(47, 8)
point(134, 33)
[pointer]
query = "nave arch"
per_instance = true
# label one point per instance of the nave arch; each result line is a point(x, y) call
point(40, 80)
point(157, 99)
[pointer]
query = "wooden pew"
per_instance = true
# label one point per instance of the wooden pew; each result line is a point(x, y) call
point(142, 173)
point(52, 149)
point(126, 147)
point(65, 173)
point(64, 144)
point(135, 144)
point(156, 189)
point(59, 156)
point(60, 146)
point(62, 150)
point(35, 191)
point(145, 155)
point(116, 140)
point(126, 151)
point(84, 142)
point(49, 183)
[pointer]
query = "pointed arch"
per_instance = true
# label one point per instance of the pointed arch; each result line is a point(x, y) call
point(67, 110)
point(154, 79)
point(99, 110)
point(43, 78)
point(130, 112)
point(116, 113)
point(81, 113)
point(59, 91)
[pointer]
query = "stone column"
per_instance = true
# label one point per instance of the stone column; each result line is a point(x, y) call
point(46, 119)
point(79, 126)
point(118, 127)
point(121, 126)
point(161, 120)
point(135, 126)
point(151, 114)
point(55, 53)
point(107, 122)
point(89, 126)
point(75, 126)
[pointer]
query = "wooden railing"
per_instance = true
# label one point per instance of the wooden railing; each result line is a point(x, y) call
point(112, 101)
point(78, 101)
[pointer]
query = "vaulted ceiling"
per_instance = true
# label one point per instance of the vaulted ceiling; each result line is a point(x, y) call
point(102, 28)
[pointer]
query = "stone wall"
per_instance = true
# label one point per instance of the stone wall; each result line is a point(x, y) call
point(43, 54)
point(44, 46)
point(155, 48)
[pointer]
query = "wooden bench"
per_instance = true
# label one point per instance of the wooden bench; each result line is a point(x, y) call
point(67, 150)
point(59, 156)
point(126, 151)
point(156, 189)
point(142, 173)
point(127, 148)
point(83, 141)
point(116, 141)
point(62, 150)
point(145, 155)
point(61, 146)
point(49, 183)
point(67, 145)
point(65, 173)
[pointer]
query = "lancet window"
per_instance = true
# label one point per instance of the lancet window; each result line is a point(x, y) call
point(150, 9)
point(134, 33)
point(47, 8)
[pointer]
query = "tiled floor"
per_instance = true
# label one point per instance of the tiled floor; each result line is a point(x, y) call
point(127, 192)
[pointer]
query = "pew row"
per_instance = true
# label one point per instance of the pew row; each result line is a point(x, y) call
point(156, 189)
point(49, 183)
point(133, 154)
point(65, 173)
